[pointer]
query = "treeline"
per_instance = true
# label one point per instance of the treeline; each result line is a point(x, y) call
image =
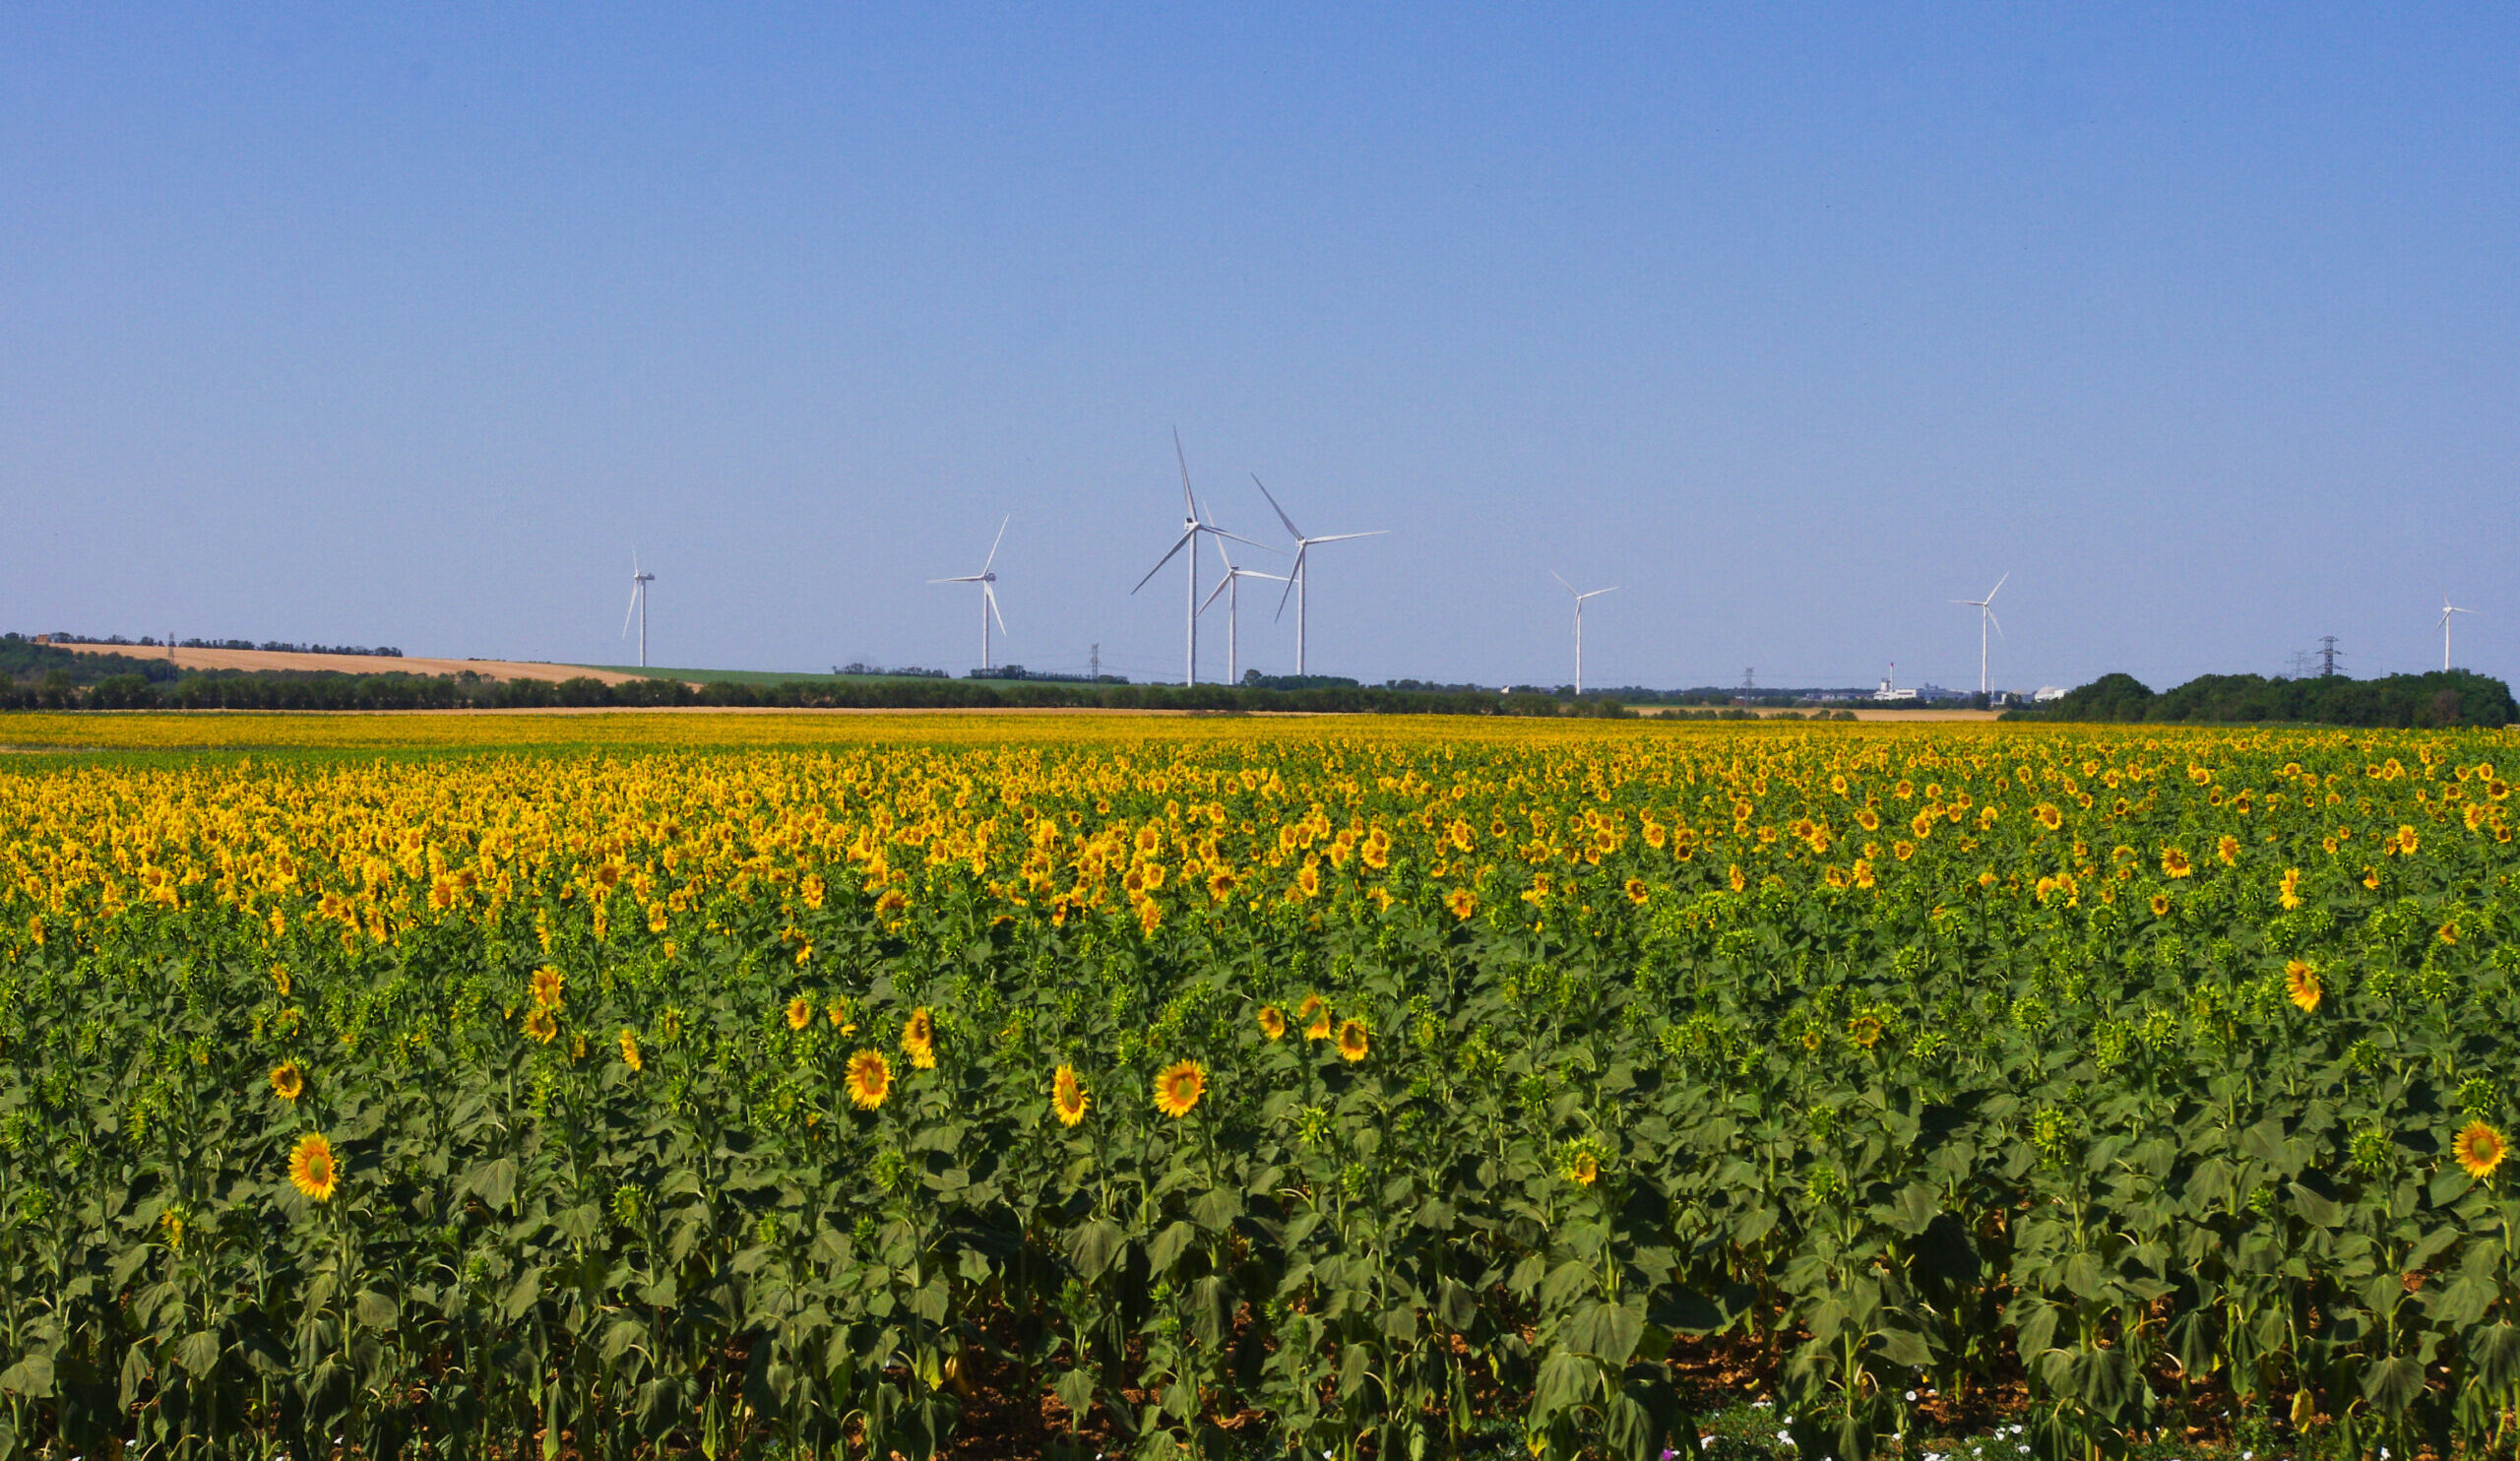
point(289, 690)
point(280, 646)
point(2454, 697)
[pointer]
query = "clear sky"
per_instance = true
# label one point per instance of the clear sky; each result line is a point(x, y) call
point(409, 324)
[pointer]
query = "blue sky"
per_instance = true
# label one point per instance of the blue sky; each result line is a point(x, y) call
point(409, 325)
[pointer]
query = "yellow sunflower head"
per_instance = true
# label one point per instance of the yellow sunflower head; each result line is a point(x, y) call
point(2301, 985)
point(800, 1012)
point(310, 1168)
point(541, 1026)
point(869, 1079)
point(1354, 1041)
point(1067, 1095)
point(2161, 905)
point(548, 984)
point(1273, 1022)
point(1461, 903)
point(2479, 1149)
point(1636, 891)
point(2175, 863)
point(1178, 1087)
point(288, 1081)
point(630, 1051)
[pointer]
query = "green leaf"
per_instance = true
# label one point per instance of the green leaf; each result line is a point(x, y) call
point(376, 1310)
point(1075, 1390)
point(1217, 1208)
point(31, 1376)
point(1168, 1247)
point(1093, 1248)
point(494, 1182)
point(1608, 1331)
point(2393, 1384)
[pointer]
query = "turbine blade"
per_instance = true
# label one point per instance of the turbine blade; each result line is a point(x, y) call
point(1998, 623)
point(1166, 558)
point(1186, 499)
point(989, 592)
point(993, 543)
point(1238, 538)
point(1223, 584)
point(968, 578)
point(1295, 571)
point(1272, 503)
point(1999, 584)
point(1343, 537)
point(633, 609)
point(1563, 582)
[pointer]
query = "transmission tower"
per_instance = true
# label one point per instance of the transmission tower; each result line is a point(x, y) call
point(2327, 656)
point(1749, 678)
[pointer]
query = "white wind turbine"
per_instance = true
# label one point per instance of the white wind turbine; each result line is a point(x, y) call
point(1985, 615)
point(987, 578)
point(1579, 624)
point(1298, 577)
point(1191, 528)
point(1231, 588)
point(2446, 611)
point(638, 605)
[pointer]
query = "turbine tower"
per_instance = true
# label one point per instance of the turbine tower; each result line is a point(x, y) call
point(1579, 625)
point(1231, 588)
point(1297, 576)
point(987, 578)
point(638, 605)
point(1191, 526)
point(2446, 611)
point(1985, 615)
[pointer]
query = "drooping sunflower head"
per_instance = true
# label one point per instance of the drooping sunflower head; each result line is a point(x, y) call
point(310, 1168)
point(1178, 1087)
point(1067, 1095)
point(800, 1012)
point(541, 1026)
point(2301, 985)
point(1273, 1022)
point(288, 1081)
point(1310, 1006)
point(869, 1079)
point(630, 1051)
point(1354, 1041)
point(2480, 1150)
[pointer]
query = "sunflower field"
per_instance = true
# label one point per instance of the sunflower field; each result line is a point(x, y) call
point(806, 1086)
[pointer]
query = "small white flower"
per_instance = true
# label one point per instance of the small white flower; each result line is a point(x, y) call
point(1785, 1437)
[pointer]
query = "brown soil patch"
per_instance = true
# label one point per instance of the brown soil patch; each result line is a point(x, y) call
point(352, 663)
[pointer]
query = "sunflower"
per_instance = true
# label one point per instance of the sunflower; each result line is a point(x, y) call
point(1903, 850)
point(2161, 905)
point(1067, 1095)
point(1178, 1087)
point(540, 1025)
point(2048, 816)
point(919, 1039)
point(1352, 1041)
point(547, 985)
point(2227, 850)
point(1273, 1022)
point(2479, 1149)
point(1461, 903)
point(2301, 985)
point(2288, 889)
point(311, 1170)
point(869, 1079)
point(1636, 891)
point(1318, 1026)
point(1864, 1029)
point(2175, 863)
point(800, 1012)
point(288, 1081)
point(1220, 885)
point(1583, 1166)
point(630, 1051)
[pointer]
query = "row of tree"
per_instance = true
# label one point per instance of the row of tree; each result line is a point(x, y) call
point(2453, 697)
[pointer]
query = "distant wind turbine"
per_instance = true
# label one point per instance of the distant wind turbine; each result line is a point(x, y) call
point(1299, 575)
point(638, 605)
point(1191, 526)
point(1579, 624)
point(987, 578)
point(1985, 615)
point(2446, 611)
point(1231, 588)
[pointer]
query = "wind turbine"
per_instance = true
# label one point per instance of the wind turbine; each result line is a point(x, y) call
point(1579, 625)
point(2446, 611)
point(1297, 577)
point(1985, 615)
point(987, 580)
point(1191, 528)
point(1231, 588)
point(638, 605)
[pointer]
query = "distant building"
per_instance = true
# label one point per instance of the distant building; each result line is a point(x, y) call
point(2045, 693)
